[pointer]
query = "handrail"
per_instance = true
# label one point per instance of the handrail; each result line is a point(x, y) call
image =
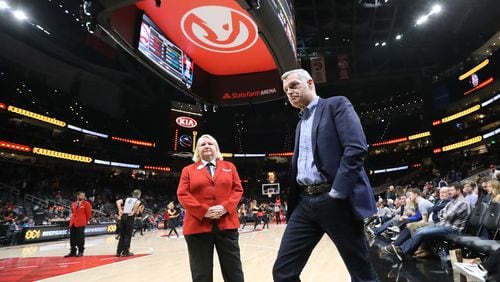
point(380, 189)
point(65, 204)
point(13, 191)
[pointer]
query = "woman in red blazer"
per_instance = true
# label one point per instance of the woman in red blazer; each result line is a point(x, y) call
point(210, 190)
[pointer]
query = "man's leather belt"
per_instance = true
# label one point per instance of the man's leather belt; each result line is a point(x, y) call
point(315, 189)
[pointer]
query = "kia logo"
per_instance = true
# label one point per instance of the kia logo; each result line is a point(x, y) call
point(186, 122)
point(219, 29)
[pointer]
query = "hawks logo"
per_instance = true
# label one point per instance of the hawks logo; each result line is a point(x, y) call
point(219, 29)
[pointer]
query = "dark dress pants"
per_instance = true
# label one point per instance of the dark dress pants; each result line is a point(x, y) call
point(313, 217)
point(201, 255)
point(403, 236)
point(77, 238)
point(126, 229)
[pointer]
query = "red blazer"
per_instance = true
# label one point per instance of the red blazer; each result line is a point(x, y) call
point(80, 215)
point(198, 191)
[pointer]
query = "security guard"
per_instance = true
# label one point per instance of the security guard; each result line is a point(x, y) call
point(126, 214)
point(81, 211)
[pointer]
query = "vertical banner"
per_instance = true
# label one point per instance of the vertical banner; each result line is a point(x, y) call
point(318, 69)
point(343, 66)
point(186, 127)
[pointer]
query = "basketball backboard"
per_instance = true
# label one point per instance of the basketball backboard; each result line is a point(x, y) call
point(271, 189)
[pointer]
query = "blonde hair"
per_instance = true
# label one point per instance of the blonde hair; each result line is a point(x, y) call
point(495, 189)
point(196, 154)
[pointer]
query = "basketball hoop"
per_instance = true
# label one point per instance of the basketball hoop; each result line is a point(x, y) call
point(270, 190)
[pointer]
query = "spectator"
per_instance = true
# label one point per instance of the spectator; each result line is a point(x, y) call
point(14, 232)
point(412, 228)
point(423, 205)
point(391, 193)
point(452, 220)
point(486, 196)
point(469, 195)
point(494, 186)
point(493, 171)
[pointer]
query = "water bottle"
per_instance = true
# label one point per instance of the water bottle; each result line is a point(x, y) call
point(445, 258)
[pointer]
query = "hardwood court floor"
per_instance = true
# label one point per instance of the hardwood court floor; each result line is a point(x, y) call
point(167, 259)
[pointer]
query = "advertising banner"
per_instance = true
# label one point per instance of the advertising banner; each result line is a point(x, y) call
point(343, 67)
point(318, 72)
point(46, 233)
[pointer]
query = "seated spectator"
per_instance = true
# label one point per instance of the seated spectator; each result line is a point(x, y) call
point(391, 193)
point(452, 220)
point(494, 186)
point(469, 195)
point(14, 232)
point(412, 228)
point(390, 205)
point(423, 206)
point(409, 215)
point(484, 195)
point(29, 223)
point(493, 172)
point(383, 214)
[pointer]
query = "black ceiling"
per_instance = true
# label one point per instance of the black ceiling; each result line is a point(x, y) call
point(355, 26)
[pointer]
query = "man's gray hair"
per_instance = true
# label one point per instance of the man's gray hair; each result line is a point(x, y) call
point(302, 74)
point(136, 193)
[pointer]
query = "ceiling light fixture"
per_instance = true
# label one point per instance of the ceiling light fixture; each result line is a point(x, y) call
point(436, 9)
point(422, 19)
point(20, 15)
point(3, 5)
point(399, 36)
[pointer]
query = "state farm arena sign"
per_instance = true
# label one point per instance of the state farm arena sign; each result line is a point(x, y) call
point(186, 122)
point(248, 94)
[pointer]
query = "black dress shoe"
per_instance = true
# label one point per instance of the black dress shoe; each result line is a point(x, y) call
point(127, 254)
point(72, 254)
point(79, 254)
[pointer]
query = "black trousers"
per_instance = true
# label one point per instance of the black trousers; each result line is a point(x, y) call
point(126, 229)
point(77, 238)
point(201, 255)
point(313, 217)
point(278, 217)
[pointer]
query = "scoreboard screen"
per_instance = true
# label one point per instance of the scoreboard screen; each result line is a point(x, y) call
point(165, 54)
